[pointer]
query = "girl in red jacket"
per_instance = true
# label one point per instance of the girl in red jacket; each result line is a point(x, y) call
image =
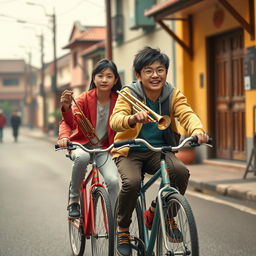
point(97, 105)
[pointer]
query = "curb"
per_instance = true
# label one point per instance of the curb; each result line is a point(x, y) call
point(224, 190)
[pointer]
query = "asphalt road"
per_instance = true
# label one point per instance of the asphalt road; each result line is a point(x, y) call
point(33, 197)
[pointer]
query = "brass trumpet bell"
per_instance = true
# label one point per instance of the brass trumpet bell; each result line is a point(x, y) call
point(163, 122)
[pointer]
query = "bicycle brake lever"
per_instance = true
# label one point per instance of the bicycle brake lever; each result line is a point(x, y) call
point(194, 144)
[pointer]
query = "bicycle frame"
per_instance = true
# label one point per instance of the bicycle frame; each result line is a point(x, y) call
point(87, 219)
point(149, 241)
point(164, 187)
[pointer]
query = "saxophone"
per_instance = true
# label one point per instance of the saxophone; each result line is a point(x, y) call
point(85, 125)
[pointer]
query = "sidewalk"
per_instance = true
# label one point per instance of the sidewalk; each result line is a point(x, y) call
point(211, 176)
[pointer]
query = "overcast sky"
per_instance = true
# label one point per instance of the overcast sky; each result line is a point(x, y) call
point(17, 39)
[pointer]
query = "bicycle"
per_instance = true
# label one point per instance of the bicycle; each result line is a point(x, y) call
point(96, 219)
point(170, 204)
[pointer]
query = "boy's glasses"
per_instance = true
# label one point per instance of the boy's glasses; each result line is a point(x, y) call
point(150, 71)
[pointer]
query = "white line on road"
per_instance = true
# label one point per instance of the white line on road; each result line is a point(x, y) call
point(220, 201)
point(217, 200)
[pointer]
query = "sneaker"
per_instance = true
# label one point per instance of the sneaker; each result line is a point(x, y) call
point(74, 210)
point(123, 247)
point(173, 233)
point(148, 218)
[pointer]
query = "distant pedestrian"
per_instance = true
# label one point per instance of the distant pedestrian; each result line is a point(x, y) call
point(15, 123)
point(2, 124)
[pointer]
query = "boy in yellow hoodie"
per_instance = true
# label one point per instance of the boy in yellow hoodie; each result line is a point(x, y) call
point(151, 67)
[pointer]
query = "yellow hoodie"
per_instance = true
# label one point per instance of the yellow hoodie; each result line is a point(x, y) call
point(178, 107)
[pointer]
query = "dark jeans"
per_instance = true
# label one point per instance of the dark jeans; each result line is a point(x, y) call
point(15, 132)
point(131, 168)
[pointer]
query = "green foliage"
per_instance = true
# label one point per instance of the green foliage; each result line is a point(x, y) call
point(6, 106)
point(56, 114)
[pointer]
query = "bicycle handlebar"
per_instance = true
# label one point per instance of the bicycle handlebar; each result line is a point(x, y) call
point(70, 146)
point(193, 141)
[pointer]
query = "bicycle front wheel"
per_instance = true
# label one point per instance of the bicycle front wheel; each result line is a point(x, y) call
point(177, 208)
point(103, 242)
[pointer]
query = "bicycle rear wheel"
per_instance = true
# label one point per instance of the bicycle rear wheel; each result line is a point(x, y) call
point(76, 234)
point(176, 206)
point(103, 242)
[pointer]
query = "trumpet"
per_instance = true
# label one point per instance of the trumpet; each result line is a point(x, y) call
point(85, 125)
point(163, 122)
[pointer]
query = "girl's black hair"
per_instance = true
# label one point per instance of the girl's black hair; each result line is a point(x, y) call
point(147, 56)
point(99, 67)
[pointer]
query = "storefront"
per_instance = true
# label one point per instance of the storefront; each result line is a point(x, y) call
point(216, 67)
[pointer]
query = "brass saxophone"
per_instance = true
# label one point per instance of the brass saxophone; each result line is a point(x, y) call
point(85, 126)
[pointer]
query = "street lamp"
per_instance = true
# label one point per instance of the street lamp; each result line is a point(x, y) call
point(54, 77)
point(53, 19)
point(42, 77)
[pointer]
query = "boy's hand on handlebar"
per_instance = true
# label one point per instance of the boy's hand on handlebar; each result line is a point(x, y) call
point(63, 142)
point(202, 137)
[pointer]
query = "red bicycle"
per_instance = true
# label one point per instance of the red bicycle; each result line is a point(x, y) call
point(96, 219)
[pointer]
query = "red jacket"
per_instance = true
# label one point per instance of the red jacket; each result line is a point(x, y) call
point(2, 121)
point(87, 101)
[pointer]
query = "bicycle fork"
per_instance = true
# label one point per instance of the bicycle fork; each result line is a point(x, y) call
point(165, 187)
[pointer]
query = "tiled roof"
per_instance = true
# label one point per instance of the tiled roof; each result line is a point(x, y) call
point(85, 34)
point(12, 66)
point(12, 96)
point(94, 33)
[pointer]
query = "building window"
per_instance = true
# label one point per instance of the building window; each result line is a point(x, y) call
point(118, 23)
point(11, 82)
point(136, 14)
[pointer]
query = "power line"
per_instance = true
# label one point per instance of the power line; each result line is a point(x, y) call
point(93, 3)
point(7, 2)
point(78, 4)
point(71, 9)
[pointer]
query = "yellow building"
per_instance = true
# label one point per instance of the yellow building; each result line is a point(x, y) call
point(214, 62)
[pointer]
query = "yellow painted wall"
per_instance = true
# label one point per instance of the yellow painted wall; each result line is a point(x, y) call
point(250, 94)
point(188, 72)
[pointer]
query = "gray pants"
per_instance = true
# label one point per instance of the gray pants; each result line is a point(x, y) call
point(131, 169)
point(106, 167)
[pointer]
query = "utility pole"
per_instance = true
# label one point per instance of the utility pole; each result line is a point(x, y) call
point(30, 93)
point(55, 72)
point(42, 88)
point(54, 85)
point(109, 31)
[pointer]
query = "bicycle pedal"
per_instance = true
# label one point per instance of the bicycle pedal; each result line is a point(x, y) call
point(139, 245)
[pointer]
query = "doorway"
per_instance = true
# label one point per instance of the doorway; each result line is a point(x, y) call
point(226, 94)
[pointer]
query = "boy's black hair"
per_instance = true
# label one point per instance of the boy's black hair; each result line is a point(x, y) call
point(147, 56)
point(99, 67)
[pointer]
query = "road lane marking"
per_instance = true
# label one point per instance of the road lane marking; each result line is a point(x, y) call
point(220, 201)
point(216, 200)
